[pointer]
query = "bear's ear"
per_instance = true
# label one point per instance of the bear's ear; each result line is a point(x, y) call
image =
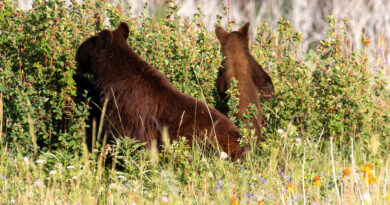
point(221, 34)
point(245, 30)
point(104, 38)
point(123, 29)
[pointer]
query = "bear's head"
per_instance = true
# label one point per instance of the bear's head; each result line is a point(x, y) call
point(92, 49)
point(234, 40)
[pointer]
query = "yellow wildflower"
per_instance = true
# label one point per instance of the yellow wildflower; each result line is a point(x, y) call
point(388, 197)
point(369, 177)
point(367, 167)
point(233, 200)
point(260, 202)
point(367, 41)
point(317, 181)
point(346, 173)
point(290, 188)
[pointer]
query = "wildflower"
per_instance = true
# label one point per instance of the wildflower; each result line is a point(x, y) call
point(376, 68)
point(281, 173)
point(38, 182)
point(260, 202)
point(53, 172)
point(288, 177)
point(317, 181)
point(70, 167)
point(233, 200)
point(40, 161)
point(252, 185)
point(291, 188)
point(219, 184)
point(367, 41)
point(263, 181)
point(74, 177)
point(380, 50)
point(294, 201)
point(121, 177)
point(280, 131)
point(248, 195)
point(13, 201)
point(242, 168)
point(218, 189)
point(368, 174)
point(223, 155)
point(388, 197)
point(367, 167)
point(230, 185)
point(346, 173)
point(2, 176)
point(164, 199)
point(25, 159)
point(298, 139)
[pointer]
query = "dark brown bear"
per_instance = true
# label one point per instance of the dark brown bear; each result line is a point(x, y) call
point(141, 100)
point(252, 79)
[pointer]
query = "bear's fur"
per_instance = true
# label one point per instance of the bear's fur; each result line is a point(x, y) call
point(238, 63)
point(141, 100)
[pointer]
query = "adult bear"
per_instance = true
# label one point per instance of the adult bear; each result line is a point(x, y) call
point(238, 63)
point(141, 100)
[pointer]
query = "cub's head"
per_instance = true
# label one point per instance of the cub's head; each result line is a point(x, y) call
point(234, 40)
point(98, 47)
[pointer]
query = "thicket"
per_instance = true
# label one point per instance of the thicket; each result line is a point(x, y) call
point(327, 92)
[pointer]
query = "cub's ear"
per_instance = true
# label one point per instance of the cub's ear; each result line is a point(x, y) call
point(104, 38)
point(123, 29)
point(221, 34)
point(245, 30)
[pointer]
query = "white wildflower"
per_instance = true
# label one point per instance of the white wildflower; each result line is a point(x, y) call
point(165, 199)
point(223, 155)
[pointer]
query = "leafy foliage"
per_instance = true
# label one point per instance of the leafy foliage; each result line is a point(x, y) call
point(324, 93)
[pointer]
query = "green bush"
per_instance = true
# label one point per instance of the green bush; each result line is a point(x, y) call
point(326, 92)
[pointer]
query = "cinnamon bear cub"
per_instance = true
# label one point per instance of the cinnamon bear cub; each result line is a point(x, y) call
point(141, 100)
point(238, 63)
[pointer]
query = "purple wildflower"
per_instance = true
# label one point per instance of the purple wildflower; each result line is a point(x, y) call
point(248, 195)
point(2, 176)
point(230, 185)
point(376, 68)
point(299, 196)
point(219, 183)
point(294, 201)
point(287, 177)
point(252, 185)
point(242, 168)
point(218, 189)
point(381, 51)
point(263, 181)
point(281, 173)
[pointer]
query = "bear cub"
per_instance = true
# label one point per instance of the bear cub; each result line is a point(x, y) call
point(238, 63)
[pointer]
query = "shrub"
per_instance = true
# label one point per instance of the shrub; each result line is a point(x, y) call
point(326, 92)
